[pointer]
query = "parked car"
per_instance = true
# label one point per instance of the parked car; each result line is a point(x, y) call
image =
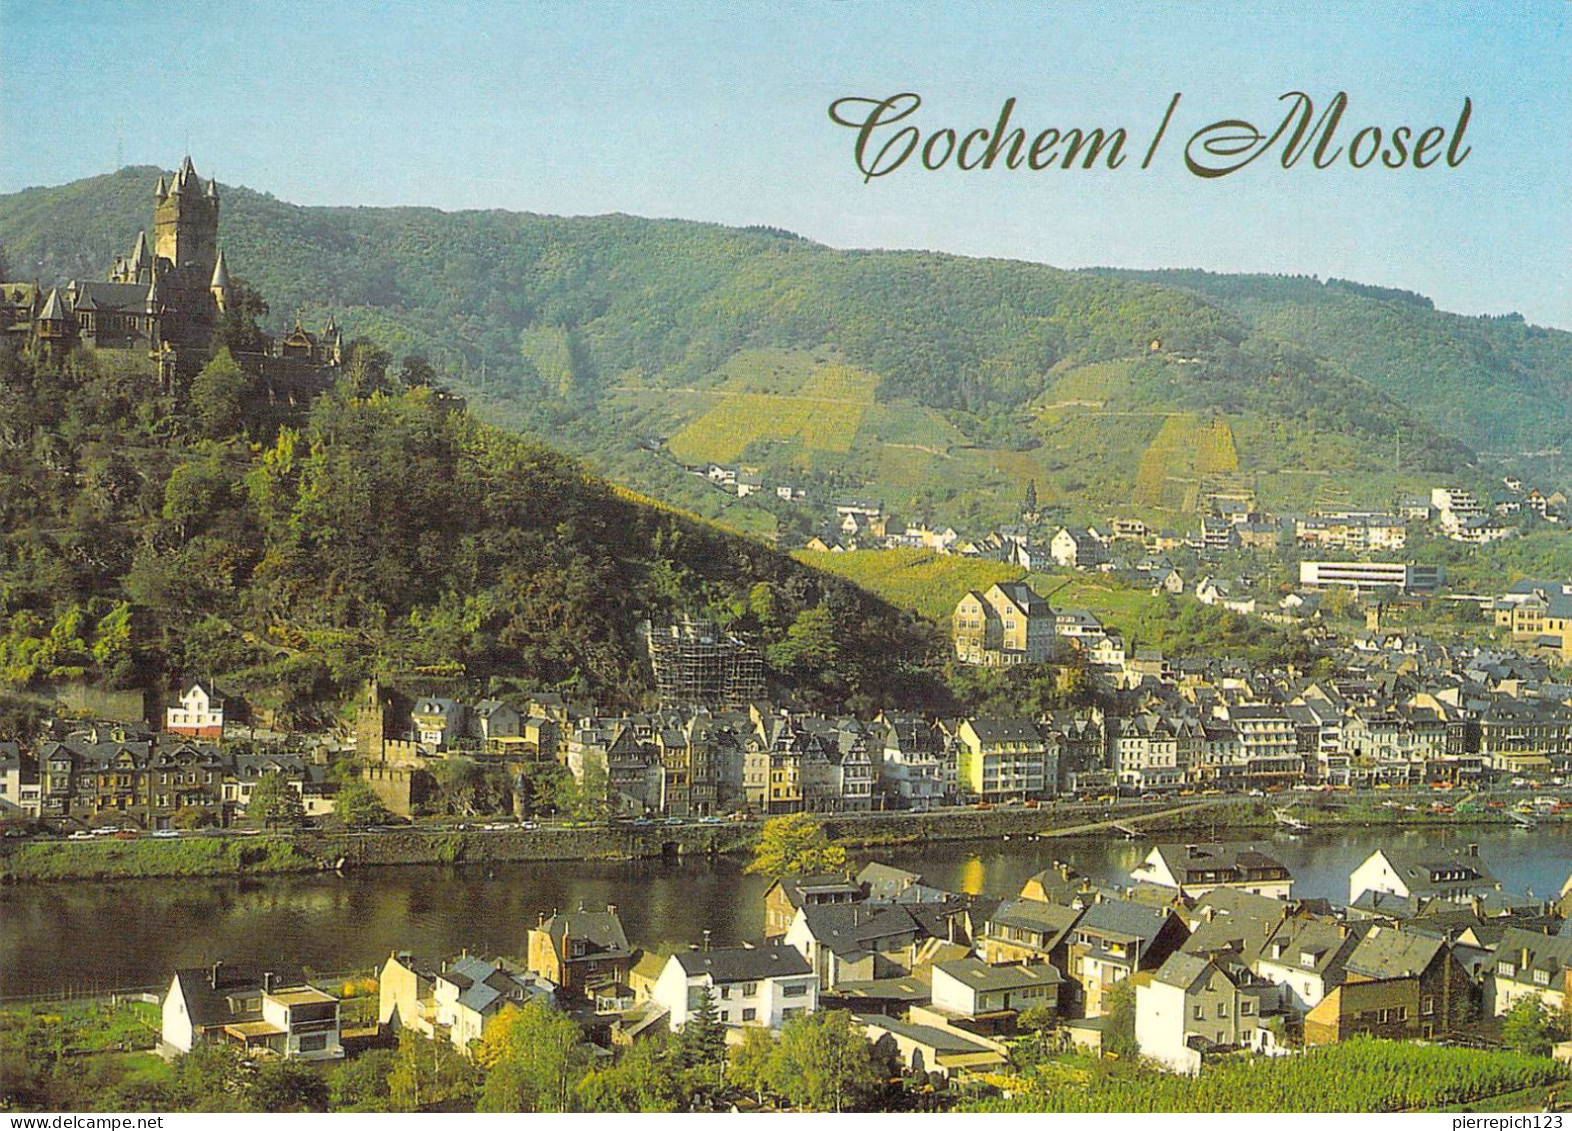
point(166, 834)
point(80, 834)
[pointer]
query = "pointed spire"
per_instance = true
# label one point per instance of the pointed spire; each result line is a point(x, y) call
point(139, 251)
point(54, 309)
point(187, 169)
point(220, 273)
point(160, 191)
point(212, 188)
point(153, 299)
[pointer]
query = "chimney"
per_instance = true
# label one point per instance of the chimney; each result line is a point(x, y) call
point(706, 938)
point(212, 976)
point(611, 909)
point(1472, 850)
point(540, 918)
point(267, 981)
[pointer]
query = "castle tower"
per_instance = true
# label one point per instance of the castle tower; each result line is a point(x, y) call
point(185, 238)
point(220, 284)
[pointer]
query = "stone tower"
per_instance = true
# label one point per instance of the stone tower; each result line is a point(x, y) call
point(185, 248)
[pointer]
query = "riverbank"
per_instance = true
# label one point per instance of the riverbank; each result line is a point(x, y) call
point(235, 855)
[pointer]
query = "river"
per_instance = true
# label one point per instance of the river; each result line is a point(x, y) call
point(89, 936)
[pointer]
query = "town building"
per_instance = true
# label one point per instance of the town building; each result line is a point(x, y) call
point(1005, 625)
point(749, 986)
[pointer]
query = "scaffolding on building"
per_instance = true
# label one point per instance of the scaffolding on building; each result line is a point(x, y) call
point(698, 665)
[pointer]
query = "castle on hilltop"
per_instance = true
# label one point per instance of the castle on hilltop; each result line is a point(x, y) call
point(166, 299)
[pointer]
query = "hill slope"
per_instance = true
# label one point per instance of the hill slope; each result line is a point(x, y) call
point(146, 537)
point(640, 344)
point(1498, 383)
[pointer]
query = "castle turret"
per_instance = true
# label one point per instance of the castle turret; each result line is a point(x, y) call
point(53, 325)
point(212, 188)
point(220, 284)
point(159, 191)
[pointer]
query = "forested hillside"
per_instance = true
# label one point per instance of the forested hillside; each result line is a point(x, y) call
point(939, 383)
point(145, 537)
point(1497, 383)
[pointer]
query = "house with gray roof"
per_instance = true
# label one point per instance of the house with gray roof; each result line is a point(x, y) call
point(972, 989)
point(1193, 1005)
point(1530, 964)
point(1026, 930)
point(749, 986)
point(1430, 872)
point(453, 1000)
point(1112, 940)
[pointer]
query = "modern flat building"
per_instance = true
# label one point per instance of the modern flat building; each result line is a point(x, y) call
point(1405, 578)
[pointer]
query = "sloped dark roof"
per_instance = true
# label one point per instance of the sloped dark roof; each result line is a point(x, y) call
point(744, 963)
point(601, 930)
point(1387, 952)
point(208, 989)
point(982, 976)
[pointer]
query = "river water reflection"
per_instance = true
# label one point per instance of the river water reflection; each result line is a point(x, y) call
point(107, 935)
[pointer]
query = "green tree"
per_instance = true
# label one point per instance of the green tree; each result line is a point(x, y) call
point(243, 313)
point(701, 1042)
point(1119, 1010)
point(823, 1062)
point(645, 1078)
point(288, 1085)
point(796, 845)
point(1531, 1027)
point(361, 1084)
point(356, 806)
point(534, 1058)
point(192, 817)
point(749, 1063)
point(275, 803)
point(211, 1077)
point(217, 394)
point(428, 1073)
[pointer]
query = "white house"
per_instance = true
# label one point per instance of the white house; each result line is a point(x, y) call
point(1529, 964)
point(751, 986)
point(1190, 1005)
point(252, 1008)
point(1456, 875)
point(1195, 869)
point(200, 714)
point(970, 987)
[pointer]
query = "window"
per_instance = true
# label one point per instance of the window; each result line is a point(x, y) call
point(1505, 969)
point(794, 991)
point(750, 1015)
point(1200, 1013)
point(1246, 1009)
point(1541, 978)
point(725, 993)
point(750, 989)
point(1222, 1009)
point(314, 1042)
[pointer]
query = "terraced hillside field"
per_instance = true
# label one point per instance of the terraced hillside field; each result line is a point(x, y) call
point(822, 412)
point(1184, 450)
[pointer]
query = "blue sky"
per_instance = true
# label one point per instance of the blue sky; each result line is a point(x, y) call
point(719, 113)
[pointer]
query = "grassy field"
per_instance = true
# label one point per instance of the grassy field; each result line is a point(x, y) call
point(188, 856)
point(913, 579)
